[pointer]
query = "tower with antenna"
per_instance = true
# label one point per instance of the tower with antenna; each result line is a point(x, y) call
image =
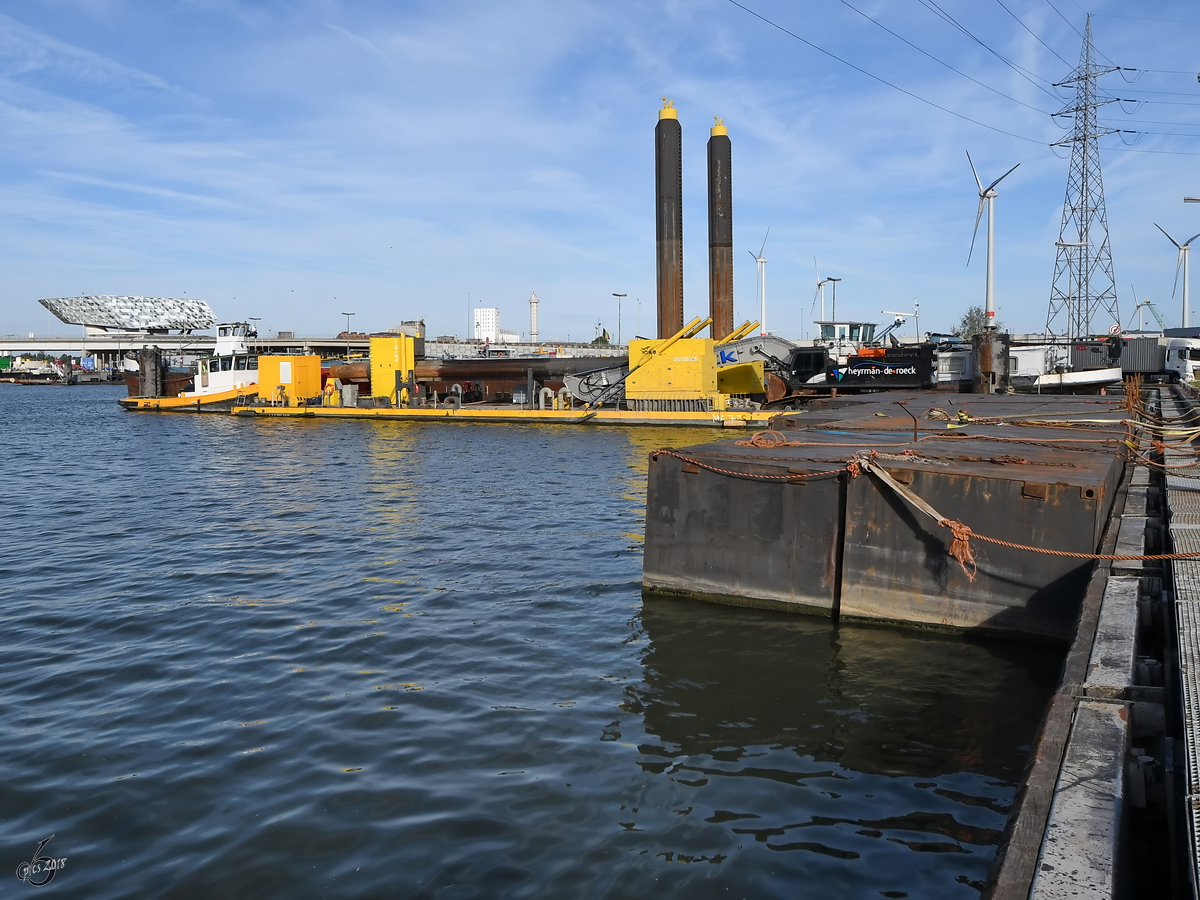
point(1084, 288)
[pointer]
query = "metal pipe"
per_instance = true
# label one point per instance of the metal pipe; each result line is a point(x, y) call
point(668, 192)
point(720, 231)
point(738, 333)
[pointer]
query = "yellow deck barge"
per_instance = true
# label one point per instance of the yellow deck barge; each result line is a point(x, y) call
point(671, 382)
point(739, 418)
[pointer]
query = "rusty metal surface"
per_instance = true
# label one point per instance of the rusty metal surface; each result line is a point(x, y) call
point(511, 368)
point(1034, 471)
point(668, 195)
point(720, 235)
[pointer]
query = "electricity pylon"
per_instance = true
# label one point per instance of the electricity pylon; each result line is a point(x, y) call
point(1084, 287)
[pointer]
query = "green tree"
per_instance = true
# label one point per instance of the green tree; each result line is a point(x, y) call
point(974, 321)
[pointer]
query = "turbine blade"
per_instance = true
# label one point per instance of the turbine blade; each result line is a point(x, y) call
point(975, 233)
point(1178, 263)
point(978, 183)
point(1001, 178)
point(1169, 238)
point(752, 256)
point(816, 271)
point(1188, 242)
point(764, 243)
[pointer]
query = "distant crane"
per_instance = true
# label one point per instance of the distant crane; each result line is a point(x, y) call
point(986, 196)
point(762, 282)
point(1139, 306)
point(1181, 260)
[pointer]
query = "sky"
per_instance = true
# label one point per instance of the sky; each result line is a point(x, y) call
point(294, 160)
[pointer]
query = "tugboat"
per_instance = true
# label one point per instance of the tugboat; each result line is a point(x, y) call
point(217, 383)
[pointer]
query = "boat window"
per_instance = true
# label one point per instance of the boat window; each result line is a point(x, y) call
point(842, 333)
point(251, 362)
point(226, 363)
point(827, 332)
point(239, 363)
point(868, 332)
point(204, 367)
point(223, 331)
point(854, 329)
point(1013, 364)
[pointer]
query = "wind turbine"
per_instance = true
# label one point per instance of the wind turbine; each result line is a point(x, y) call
point(762, 282)
point(1182, 259)
point(820, 292)
point(987, 195)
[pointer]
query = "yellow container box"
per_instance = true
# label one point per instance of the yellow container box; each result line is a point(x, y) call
point(687, 370)
point(390, 355)
point(285, 380)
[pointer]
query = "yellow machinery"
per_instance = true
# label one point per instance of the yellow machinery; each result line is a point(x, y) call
point(680, 374)
point(286, 380)
point(393, 360)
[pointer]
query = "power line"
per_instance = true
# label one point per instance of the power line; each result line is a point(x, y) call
point(1165, 152)
point(1161, 122)
point(883, 81)
point(1024, 73)
point(1163, 93)
point(1030, 30)
point(1070, 24)
point(942, 62)
point(1146, 19)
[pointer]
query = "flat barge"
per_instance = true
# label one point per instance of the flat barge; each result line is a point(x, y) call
point(823, 514)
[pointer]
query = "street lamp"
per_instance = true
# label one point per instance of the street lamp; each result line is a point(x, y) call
point(619, 298)
point(347, 315)
point(834, 282)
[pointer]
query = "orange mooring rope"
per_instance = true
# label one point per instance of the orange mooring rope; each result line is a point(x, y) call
point(961, 534)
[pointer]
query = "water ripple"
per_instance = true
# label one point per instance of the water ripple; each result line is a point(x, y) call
point(284, 659)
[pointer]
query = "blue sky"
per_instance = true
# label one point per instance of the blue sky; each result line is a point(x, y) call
point(294, 160)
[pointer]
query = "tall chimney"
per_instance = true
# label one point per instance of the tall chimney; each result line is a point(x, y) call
point(668, 191)
point(720, 231)
point(533, 326)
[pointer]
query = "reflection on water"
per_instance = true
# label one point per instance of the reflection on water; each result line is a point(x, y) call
point(852, 753)
point(294, 658)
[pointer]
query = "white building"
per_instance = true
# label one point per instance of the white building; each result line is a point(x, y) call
point(487, 325)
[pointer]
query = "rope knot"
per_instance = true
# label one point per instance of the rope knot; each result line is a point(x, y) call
point(960, 546)
point(767, 440)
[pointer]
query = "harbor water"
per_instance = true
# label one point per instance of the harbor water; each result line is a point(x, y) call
point(290, 658)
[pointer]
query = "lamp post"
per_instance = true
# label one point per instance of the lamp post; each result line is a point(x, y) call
point(347, 315)
point(619, 297)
